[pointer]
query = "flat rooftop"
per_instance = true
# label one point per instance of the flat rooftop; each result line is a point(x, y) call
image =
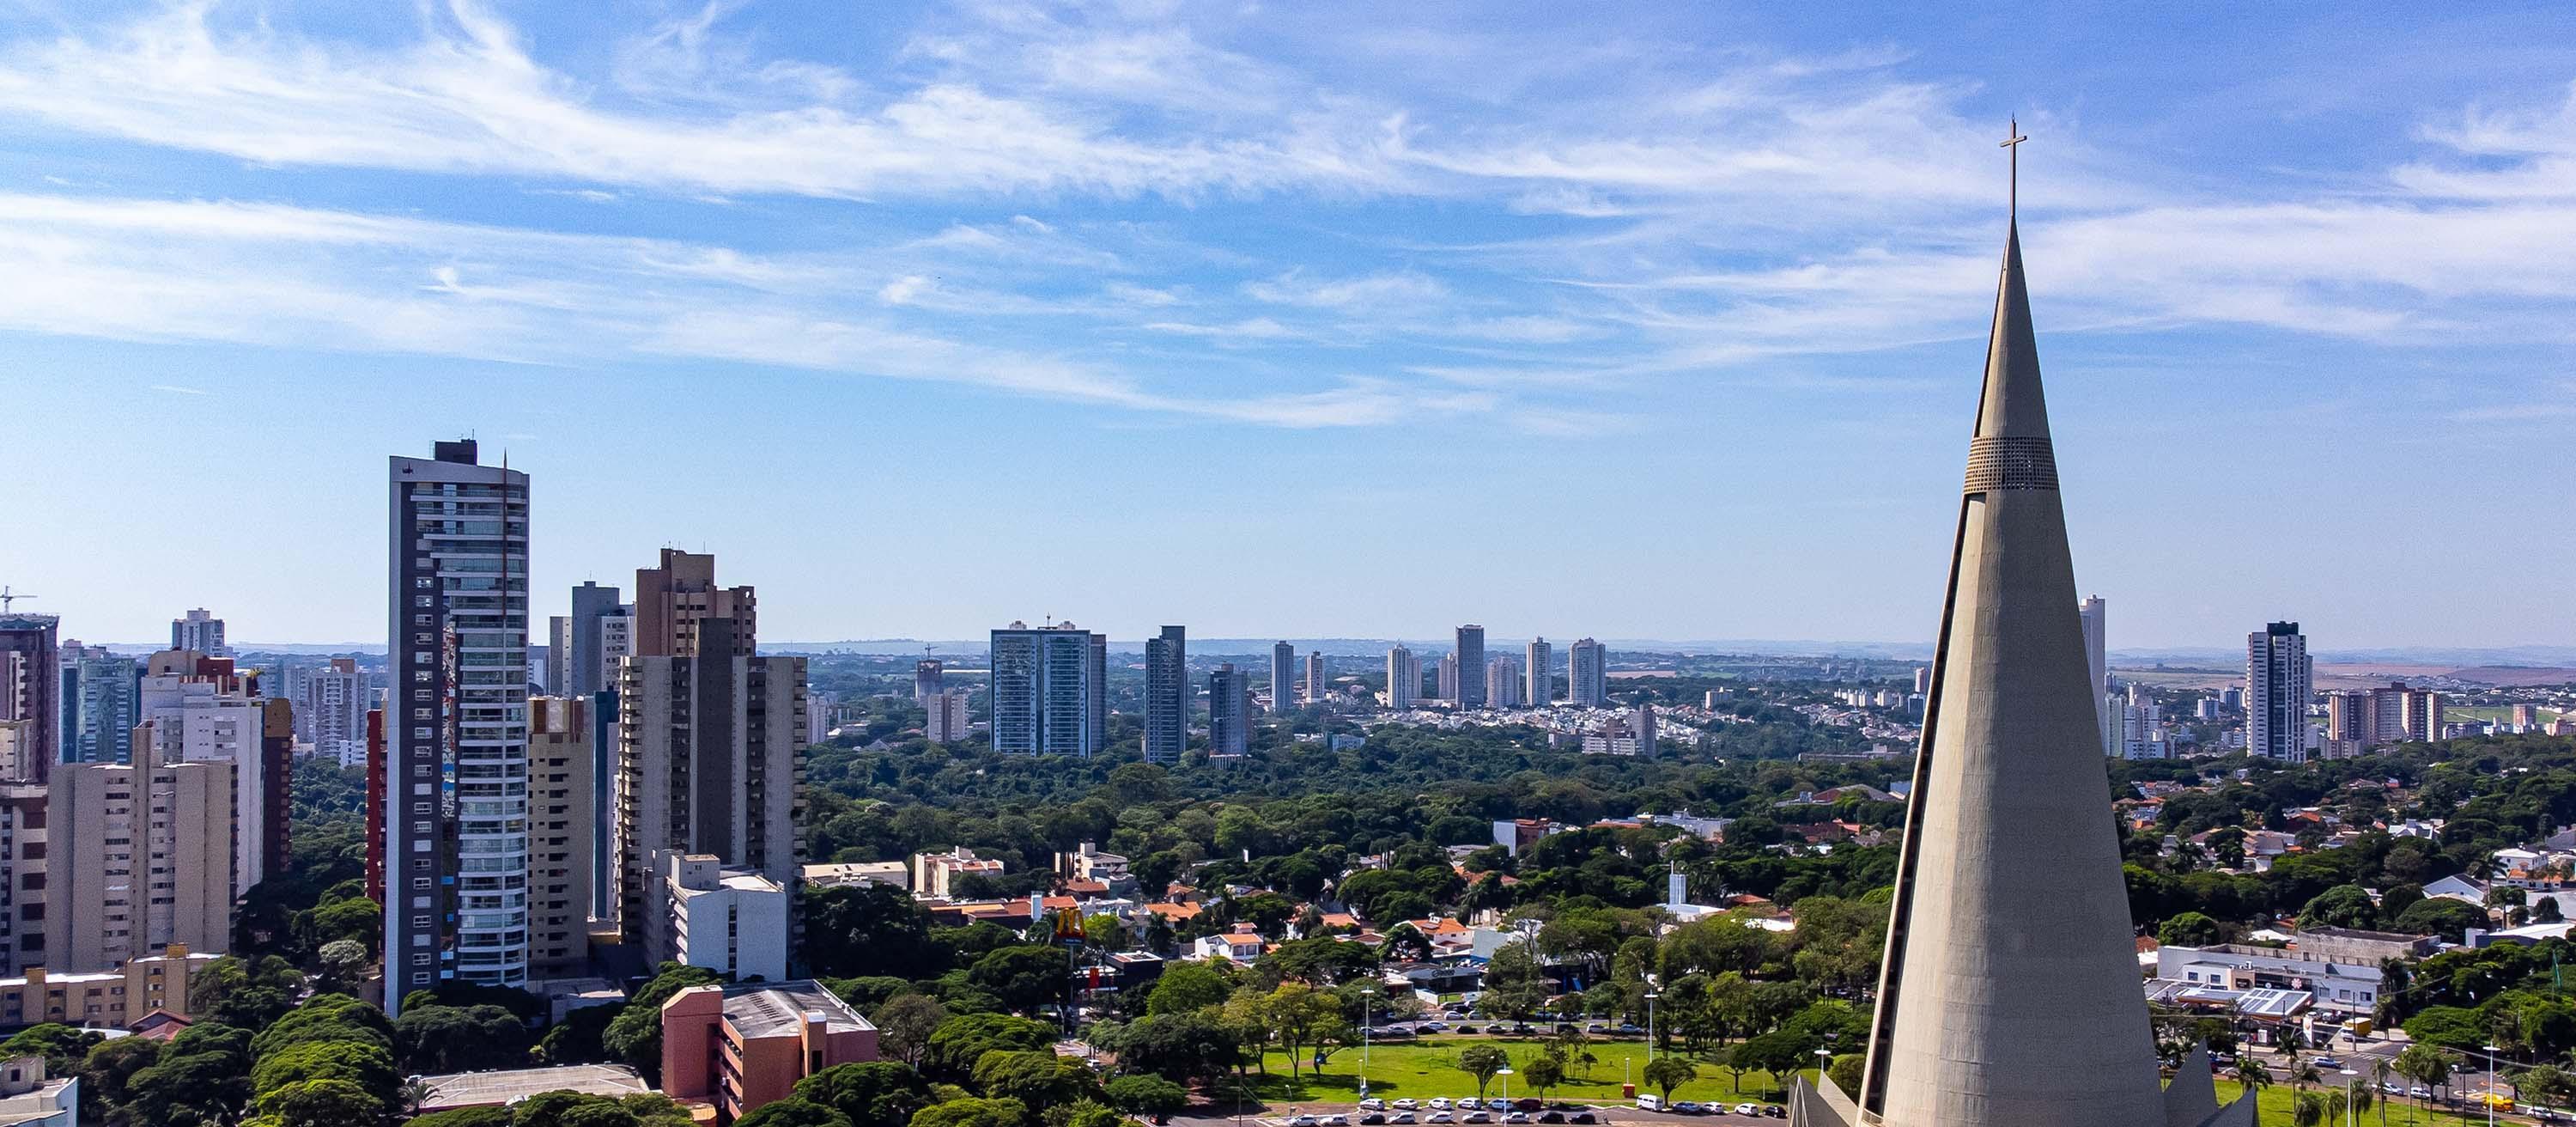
point(776, 1009)
point(489, 1089)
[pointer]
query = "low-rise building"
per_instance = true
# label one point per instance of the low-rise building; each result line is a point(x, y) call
point(2361, 946)
point(1090, 864)
point(728, 920)
point(29, 1098)
point(742, 1046)
point(509, 1086)
point(2340, 985)
point(933, 873)
point(892, 874)
point(110, 999)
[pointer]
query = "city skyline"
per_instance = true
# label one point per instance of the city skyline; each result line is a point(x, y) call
point(1362, 244)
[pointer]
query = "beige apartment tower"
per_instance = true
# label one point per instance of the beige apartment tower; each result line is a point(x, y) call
point(710, 759)
point(138, 857)
point(672, 599)
point(561, 812)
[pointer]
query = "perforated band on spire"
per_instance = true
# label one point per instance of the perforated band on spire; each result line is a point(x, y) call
point(2011, 464)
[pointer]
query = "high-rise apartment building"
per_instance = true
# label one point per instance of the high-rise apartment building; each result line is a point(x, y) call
point(23, 848)
point(1503, 683)
point(2278, 680)
point(199, 631)
point(557, 678)
point(1541, 672)
point(336, 700)
point(560, 819)
point(671, 600)
point(100, 702)
point(710, 742)
point(1167, 695)
point(1316, 687)
point(927, 675)
point(2096, 615)
point(456, 719)
point(198, 710)
point(1050, 693)
point(1403, 678)
point(2349, 723)
point(2421, 715)
point(951, 720)
point(1229, 711)
point(600, 630)
point(1471, 666)
point(1587, 674)
point(137, 857)
point(31, 681)
point(1446, 679)
point(1283, 677)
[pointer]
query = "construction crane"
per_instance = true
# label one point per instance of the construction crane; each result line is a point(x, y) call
point(8, 596)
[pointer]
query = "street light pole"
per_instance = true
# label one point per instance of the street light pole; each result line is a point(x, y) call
point(1366, 996)
point(2352, 1078)
point(1650, 1021)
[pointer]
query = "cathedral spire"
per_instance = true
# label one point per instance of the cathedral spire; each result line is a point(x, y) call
point(2009, 996)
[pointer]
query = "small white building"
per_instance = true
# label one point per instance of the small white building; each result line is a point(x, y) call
point(1241, 945)
point(732, 921)
point(892, 874)
point(28, 1098)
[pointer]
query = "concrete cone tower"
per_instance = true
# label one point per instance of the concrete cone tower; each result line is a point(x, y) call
point(2010, 996)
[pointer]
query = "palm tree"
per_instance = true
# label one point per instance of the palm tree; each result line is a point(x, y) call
point(2252, 1074)
point(2380, 1070)
point(2308, 1110)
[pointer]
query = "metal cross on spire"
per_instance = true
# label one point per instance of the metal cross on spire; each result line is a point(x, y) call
point(2013, 144)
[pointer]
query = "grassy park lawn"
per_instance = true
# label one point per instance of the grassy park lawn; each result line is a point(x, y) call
point(1430, 1068)
point(1424, 1069)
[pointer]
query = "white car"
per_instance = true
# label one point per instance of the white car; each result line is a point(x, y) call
point(1408, 1103)
point(1336, 1121)
point(1305, 1121)
point(1373, 1104)
point(1400, 1117)
point(1468, 1103)
point(1439, 1117)
point(1439, 1103)
point(1748, 1109)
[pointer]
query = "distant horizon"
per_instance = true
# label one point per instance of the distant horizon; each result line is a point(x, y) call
point(1654, 319)
point(1498, 645)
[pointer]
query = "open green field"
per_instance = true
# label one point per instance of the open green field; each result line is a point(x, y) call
point(1425, 1069)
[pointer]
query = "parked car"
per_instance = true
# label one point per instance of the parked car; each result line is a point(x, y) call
point(1551, 1117)
point(1650, 1103)
point(1748, 1109)
point(1305, 1121)
point(1400, 1118)
point(1373, 1119)
point(2326, 1061)
point(1476, 1117)
point(1439, 1103)
point(1596, 1026)
point(1629, 1029)
point(1372, 1104)
point(1466, 1029)
point(1583, 1117)
point(1433, 1027)
point(2420, 1092)
point(1408, 1103)
point(1467, 1103)
point(1337, 1121)
point(1517, 1117)
point(1686, 1107)
point(1775, 1111)
point(1439, 1117)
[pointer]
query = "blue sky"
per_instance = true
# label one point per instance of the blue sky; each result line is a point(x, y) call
point(1304, 319)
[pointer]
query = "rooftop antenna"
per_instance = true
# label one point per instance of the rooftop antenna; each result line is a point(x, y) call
point(8, 596)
